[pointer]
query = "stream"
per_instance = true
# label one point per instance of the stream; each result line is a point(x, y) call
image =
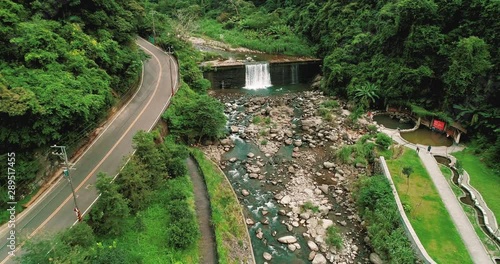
point(264, 173)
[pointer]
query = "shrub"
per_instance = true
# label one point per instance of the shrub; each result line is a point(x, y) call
point(309, 206)
point(182, 233)
point(256, 119)
point(263, 142)
point(383, 140)
point(333, 237)
point(332, 104)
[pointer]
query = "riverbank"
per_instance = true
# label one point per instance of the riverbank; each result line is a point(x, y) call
point(285, 173)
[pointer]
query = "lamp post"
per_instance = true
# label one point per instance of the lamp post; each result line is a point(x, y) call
point(63, 155)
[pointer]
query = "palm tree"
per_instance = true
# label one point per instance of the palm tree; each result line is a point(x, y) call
point(363, 94)
point(407, 171)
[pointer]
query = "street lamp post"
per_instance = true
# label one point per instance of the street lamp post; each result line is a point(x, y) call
point(63, 155)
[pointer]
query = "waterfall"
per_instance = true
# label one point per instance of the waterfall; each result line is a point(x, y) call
point(294, 73)
point(257, 76)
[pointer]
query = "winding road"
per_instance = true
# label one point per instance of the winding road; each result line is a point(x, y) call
point(53, 211)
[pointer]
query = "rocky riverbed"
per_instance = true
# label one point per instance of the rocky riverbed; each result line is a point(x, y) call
point(296, 163)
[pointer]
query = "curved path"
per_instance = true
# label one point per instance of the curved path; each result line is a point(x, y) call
point(208, 251)
point(53, 211)
point(472, 242)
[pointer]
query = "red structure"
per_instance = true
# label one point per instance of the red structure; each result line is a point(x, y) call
point(438, 125)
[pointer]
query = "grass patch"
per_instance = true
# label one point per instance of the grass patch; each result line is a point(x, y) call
point(256, 120)
point(309, 206)
point(286, 42)
point(482, 178)
point(428, 215)
point(230, 227)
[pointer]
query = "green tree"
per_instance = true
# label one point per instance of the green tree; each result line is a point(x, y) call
point(108, 213)
point(200, 116)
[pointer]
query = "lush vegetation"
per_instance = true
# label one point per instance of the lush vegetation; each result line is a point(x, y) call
point(426, 211)
point(364, 151)
point(62, 66)
point(482, 178)
point(230, 233)
point(145, 216)
point(377, 207)
point(192, 117)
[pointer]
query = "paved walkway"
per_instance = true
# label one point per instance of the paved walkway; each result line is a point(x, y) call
point(474, 245)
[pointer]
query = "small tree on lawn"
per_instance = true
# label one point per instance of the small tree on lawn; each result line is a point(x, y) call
point(407, 171)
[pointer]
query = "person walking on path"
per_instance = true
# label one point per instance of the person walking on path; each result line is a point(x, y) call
point(418, 149)
point(429, 149)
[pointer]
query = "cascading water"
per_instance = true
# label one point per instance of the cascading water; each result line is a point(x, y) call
point(294, 73)
point(257, 76)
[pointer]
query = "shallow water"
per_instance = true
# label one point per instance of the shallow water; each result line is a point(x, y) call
point(425, 136)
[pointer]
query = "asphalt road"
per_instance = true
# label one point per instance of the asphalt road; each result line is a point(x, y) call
point(53, 211)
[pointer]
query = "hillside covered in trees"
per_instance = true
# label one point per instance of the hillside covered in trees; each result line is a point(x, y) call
point(63, 64)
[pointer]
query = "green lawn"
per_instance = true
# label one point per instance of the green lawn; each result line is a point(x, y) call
point(482, 179)
point(427, 214)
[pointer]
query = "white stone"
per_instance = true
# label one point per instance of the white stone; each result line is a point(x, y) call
point(328, 165)
point(286, 199)
point(312, 246)
point(319, 259)
point(287, 239)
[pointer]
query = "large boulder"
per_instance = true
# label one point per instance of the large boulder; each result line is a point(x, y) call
point(267, 256)
point(312, 246)
point(287, 239)
point(319, 259)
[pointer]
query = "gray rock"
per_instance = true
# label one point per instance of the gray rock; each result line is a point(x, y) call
point(249, 221)
point(287, 239)
point(234, 129)
point(250, 155)
point(319, 259)
point(375, 259)
point(328, 165)
point(292, 247)
point(324, 188)
point(226, 142)
point(267, 256)
point(312, 246)
point(286, 199)
point(233, 159)
point(245, 192)
point(312, 255)
point(297, 143)
point(343, 223)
